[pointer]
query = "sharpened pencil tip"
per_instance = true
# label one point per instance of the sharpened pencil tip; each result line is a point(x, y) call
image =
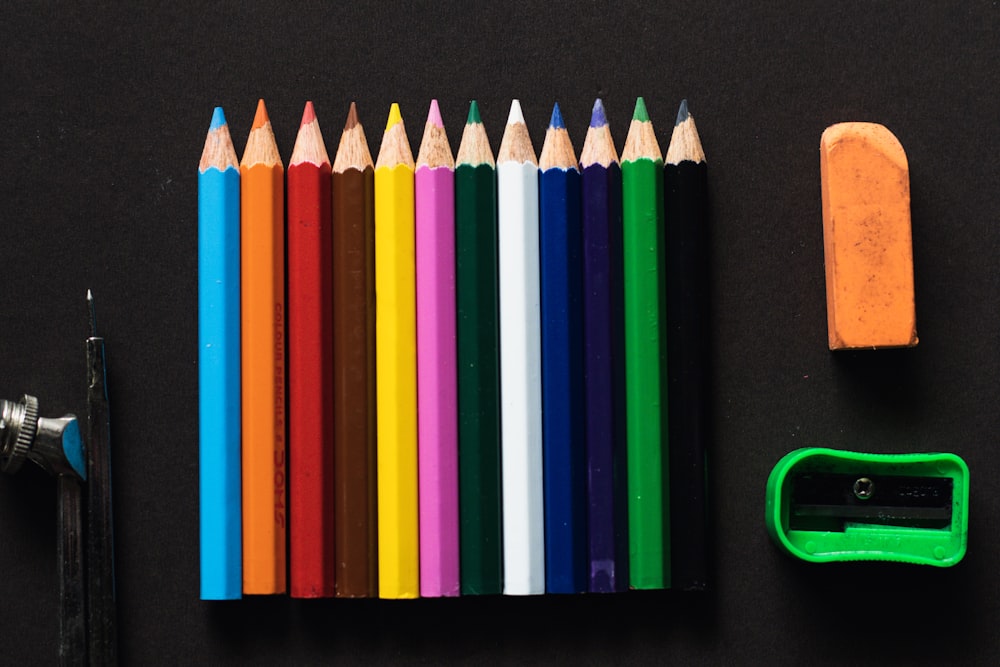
point(394, 116)
point(556, 122)
point(434, 115)
point(597, 117)
point(218, 120)
point(640, 114)
point(308, 114)
point(352, 117)
point(260, 118)
point(92, 313)
point(473, 114)
point(682, 113)
point(515, 116)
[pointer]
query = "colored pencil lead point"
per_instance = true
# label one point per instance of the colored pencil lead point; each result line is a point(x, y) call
point(260, 118)
point(557, 120)
point(434, 115)
point(394, 116)
point(218, 119)
point(308, 114)
point(473, 114)
point(640, 114)
point(682, 113)
point(597, 116)
point(515, 113)
point(352, 117)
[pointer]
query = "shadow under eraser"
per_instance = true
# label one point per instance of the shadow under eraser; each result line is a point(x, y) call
point(867, 239)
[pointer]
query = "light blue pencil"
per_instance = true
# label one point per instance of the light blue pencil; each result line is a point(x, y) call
point(219, 364)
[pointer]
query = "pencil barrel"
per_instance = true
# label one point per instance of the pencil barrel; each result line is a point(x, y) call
point(437, 421)
point(396, 383)
point(604, 378)
point(219, 384)
point(263, 368)
point(642, 225)
point(310, 381)
point(476, 294)
point(688, 347)
point(520, 379)
point(562, 380)
point(354, 382)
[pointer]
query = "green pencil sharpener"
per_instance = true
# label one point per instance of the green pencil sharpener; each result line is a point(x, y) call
point(827, 506)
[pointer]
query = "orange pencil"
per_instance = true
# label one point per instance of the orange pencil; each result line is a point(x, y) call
point(262, 300)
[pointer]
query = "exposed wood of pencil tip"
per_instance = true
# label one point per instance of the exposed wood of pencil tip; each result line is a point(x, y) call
point(352, 153)
point(516, 145)
point(261, 148)
point(641, 143)
point(684, 142)
point(309, 145)
point(557, 151)
point(598, 148)
point(435, 151)
point(219, 151)
point(395, 148)
point(475, 148)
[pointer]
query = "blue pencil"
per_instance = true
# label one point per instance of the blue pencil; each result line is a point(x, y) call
point(219, 364)
point(604, 350)
point(562, 363)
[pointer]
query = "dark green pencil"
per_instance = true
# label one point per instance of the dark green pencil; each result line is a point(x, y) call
point(476, 295)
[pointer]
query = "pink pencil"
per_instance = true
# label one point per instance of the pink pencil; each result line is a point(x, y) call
point(437, 408)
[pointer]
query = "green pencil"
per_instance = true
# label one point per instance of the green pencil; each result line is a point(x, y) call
point(476, 295)
point(645, 358)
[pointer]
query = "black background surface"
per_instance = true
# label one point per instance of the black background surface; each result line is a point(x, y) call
point(103, 114)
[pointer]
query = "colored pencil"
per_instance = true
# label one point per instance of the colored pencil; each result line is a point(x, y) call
point(437, 420)
point(686, 221)
point(310, 364)
point(642, 235)
point(476, 295)
point(396, 365)
point(563, 442)
point(262, 214)
point(520, 360)
point(604, 350)
point(219, 364)
point(354, 362)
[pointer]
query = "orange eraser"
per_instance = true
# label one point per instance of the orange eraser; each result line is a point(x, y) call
point(867, 240)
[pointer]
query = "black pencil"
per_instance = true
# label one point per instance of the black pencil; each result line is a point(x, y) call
point(687, 288)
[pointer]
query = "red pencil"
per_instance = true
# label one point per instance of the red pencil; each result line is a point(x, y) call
point(310, 370)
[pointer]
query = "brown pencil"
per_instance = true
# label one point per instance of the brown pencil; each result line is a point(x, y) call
point(354, 362)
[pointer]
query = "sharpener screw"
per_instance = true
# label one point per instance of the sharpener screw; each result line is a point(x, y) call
point(864, 488)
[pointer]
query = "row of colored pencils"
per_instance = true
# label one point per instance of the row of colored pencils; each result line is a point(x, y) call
point(507, 324)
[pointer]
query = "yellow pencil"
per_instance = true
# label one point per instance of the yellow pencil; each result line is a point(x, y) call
point(396, 365)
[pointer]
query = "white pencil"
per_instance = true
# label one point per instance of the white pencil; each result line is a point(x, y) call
point(520, 361)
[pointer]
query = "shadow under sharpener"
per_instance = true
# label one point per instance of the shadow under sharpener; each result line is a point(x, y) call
point(826, 505)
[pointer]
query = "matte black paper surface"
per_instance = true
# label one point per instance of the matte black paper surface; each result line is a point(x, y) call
point(103, 114)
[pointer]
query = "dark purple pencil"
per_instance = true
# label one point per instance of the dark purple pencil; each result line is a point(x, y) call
point(607, 517)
